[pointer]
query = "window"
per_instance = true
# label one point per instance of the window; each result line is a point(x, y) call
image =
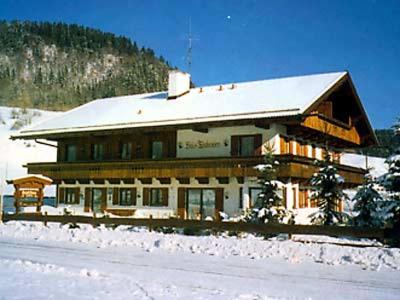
point(126, 150)
point(254, 193)
point(71, 196)
point(156, 197)
point(156, 150)
point(70, 152)
point(98, 151)
point(201, 204)
point(246, 145)
point(125, 197)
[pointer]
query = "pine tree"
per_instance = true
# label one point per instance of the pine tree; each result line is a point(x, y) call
point(269, 206)
point(391, 182)
point(368, 205)
point(328, 193)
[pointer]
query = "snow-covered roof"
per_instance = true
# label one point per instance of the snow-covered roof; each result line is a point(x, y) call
point(257, 99)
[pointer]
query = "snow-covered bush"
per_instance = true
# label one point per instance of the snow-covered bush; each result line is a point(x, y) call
point(328, 194)
point(369, 205)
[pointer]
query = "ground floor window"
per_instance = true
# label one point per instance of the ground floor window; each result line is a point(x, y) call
point(71, 196)
point(125, 197)
point(200, 204)
point(156, 197)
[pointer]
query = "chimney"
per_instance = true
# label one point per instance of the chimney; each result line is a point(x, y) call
point(178, 84)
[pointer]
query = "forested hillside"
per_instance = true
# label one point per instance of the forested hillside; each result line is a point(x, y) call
point(57, 66)
point(388, 141)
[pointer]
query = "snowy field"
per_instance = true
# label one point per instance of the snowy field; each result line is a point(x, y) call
point(14, 154)
point(54, 262)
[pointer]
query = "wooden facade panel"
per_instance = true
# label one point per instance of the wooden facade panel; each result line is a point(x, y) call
point(330, 128)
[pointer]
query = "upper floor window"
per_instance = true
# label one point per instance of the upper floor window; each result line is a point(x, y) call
point(70, 152)
point(126, 150)
point(246, 145)
point(156, 149)
point(98, 151)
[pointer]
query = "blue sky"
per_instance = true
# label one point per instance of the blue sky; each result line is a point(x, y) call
point(251, 40)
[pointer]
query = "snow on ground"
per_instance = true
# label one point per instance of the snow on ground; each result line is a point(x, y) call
point(14, 154)
point(132, 263)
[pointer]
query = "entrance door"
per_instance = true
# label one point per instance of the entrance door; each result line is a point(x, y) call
point(200, 204)
point(97, 198)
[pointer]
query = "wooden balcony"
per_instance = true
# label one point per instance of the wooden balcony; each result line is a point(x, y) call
point(290, 167)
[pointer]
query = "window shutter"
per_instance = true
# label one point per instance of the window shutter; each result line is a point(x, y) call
point(61, 195)
point(133, 195)
point(298, 148)
point(77, 195)
point(219, 201)
point(284, 196)
point(164, 192)
point(87, 199)
point(257, 144)
point(234, 145)
point(146, 196)
point(115, 200)
point(181, 202)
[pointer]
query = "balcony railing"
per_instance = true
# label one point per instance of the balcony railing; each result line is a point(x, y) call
point(291, 166)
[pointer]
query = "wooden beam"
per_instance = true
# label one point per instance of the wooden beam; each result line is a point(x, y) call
point(145, 180)
point(166, 180)
point(200, 129)
point(203, 180)
point(183, 180)
point(223, 180)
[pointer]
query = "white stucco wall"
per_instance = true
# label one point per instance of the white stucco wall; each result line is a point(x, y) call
point(217, 141)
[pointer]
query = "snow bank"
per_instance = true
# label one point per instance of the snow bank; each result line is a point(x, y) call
point(249, 246)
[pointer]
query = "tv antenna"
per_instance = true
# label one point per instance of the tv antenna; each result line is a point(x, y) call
point(190, 46)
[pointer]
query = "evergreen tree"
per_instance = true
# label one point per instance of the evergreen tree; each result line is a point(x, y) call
point(269, 206)
point(391, 182)
point(328, 193)
point(368, 205)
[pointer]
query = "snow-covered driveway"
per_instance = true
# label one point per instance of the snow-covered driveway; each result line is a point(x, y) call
point(34, 268)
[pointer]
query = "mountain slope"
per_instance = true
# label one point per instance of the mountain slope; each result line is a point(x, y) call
point(59, 66)
point(14, 154)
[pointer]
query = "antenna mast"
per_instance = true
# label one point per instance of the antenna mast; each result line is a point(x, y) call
point(189, 54)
